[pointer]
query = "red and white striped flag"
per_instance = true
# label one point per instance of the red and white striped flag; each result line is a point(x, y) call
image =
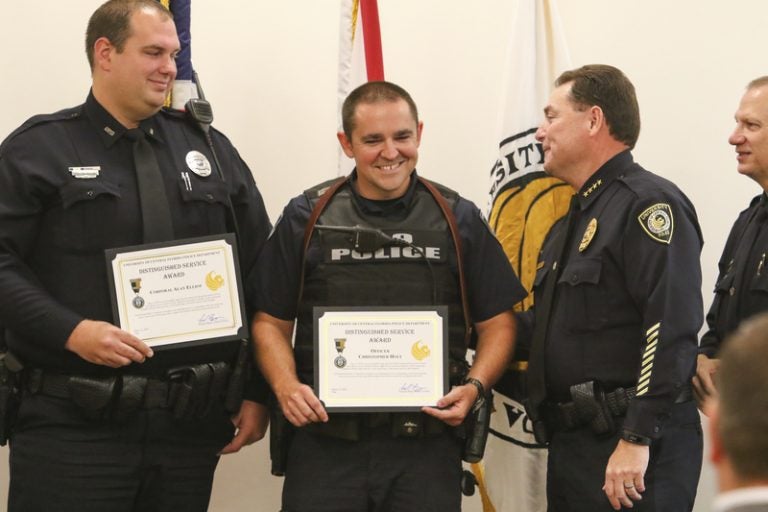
point(525, 202)
point(360, 55)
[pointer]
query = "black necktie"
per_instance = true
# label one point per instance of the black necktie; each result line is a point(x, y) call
point(537, 379)
point(155, 213)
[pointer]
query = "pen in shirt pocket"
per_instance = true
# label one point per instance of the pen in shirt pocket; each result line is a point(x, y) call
point(186, 180)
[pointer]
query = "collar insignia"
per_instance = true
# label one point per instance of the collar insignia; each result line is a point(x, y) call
point(593, 187)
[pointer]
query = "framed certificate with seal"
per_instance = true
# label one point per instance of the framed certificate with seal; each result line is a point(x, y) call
point(184, 291)
point(380, 359)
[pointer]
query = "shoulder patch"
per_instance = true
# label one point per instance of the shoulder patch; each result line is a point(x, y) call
point(657, 221)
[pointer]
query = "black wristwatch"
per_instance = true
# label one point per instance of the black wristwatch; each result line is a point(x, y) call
point(633, 438)
point(480, 400)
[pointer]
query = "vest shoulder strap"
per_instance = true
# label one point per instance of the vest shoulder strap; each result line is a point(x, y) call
point(326, 192)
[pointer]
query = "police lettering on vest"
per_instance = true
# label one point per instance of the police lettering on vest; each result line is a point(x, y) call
point(409, 246)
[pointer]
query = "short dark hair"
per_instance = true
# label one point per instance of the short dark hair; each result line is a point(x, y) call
point(743, 401)
point(610, 89)
point(113, 21)
point(373, 92)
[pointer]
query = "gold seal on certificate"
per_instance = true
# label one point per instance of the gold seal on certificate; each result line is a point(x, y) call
point(380, 359)
point(178, 292)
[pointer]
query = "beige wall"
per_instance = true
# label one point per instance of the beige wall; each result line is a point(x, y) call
point(269, 69)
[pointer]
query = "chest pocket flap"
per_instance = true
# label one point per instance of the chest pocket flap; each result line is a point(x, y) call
point(723, 285)
point(582, 271)
point(77, 191)
point(207, 191)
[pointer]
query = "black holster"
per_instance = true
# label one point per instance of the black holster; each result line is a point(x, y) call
point(196, 388)
point(94, 396)
point(280, 436)
point(237, 379)
point(592, 408)
point(10, 394)
point(541, 432)
point(478, 424)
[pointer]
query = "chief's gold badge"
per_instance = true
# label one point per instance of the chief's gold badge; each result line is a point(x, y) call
point(657, 222)
point(589, 234)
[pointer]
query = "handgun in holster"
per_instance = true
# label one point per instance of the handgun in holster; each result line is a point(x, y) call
point(237, 379)
point(478, 425)
point(591, 407)
point(280, 436)
point(10, 393)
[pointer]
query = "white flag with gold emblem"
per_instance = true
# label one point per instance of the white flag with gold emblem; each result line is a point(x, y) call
point(524, 203)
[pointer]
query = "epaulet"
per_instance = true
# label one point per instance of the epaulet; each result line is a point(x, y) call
point(181, 115)
point(173, 113)
point(645, 183)
point(314, 193)
point(61, 115)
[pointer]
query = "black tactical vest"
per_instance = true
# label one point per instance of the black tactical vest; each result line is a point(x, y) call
point(391, 276)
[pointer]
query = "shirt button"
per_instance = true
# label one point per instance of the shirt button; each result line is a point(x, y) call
point(209, 197)
point(89, 193)
point(574, 278)
point(732, 291)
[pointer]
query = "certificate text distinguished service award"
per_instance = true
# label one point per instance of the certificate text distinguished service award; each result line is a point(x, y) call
point(178, 292)
point(380, 359)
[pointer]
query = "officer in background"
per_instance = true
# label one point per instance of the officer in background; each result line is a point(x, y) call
point(738, 422)
point(618, 307)
point(380, 461)
point(742, 285)
point(105, 422)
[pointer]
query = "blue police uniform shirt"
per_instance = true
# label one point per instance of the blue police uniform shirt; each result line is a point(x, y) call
point(68, 191)
point(492, 286)
point(627, 305)
point(741, 289)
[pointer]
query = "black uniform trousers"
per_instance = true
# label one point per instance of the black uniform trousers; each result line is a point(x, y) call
point(577, 461)
point(379, 473)
point(151, 462)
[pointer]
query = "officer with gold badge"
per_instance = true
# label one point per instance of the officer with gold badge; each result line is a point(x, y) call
point(382, 237)
point(617, 311)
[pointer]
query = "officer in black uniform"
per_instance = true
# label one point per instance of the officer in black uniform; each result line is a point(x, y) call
point(380, 461)
point(742, 285)
point(105, 422)
point(618, 307)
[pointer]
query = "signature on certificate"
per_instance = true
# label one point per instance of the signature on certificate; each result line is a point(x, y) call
point(210, 318)
point(412, 388)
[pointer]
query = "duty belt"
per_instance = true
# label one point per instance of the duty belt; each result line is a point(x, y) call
point(356, 427)
point(578, 413)
point(188, 390)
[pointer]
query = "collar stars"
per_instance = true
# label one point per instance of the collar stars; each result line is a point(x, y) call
point(592, 188)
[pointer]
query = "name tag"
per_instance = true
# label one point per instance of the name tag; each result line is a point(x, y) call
point(85, 173)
